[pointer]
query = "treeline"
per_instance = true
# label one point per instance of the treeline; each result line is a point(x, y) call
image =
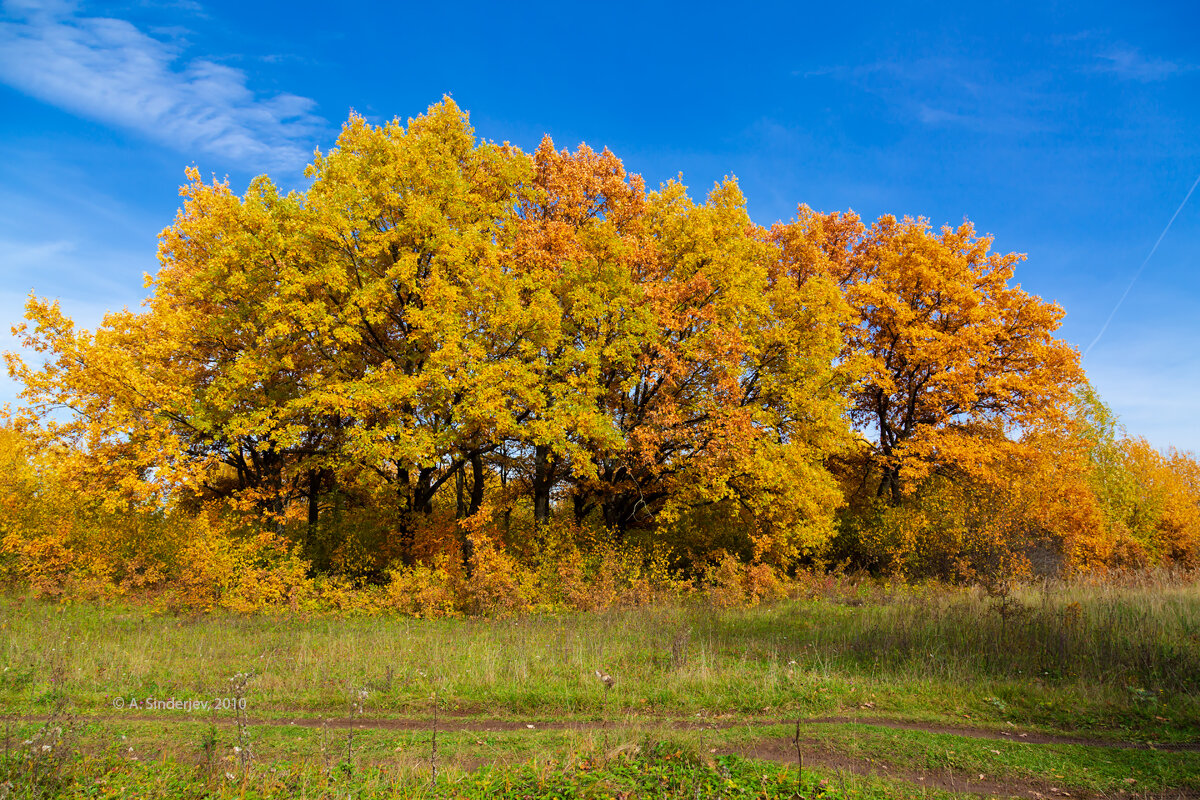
point(488, 378)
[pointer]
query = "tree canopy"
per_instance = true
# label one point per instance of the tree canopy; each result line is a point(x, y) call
point(444, 344)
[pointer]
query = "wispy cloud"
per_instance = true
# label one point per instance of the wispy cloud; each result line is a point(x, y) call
point(66, 267)
point(23, 255)
point(1130, 64)
point(108, 70)
point(1154, 386)
point(950, 92)
point(940, 116)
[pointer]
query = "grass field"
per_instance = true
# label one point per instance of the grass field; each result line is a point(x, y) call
point(1055, 690)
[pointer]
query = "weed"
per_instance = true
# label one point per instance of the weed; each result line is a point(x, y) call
point(209, 742)
point(433, 752)
point(358, 699)
point(679, 648)
point(41, 764)
point(238, 685)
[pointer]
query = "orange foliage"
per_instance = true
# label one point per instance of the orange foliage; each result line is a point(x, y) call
point(452, 377)
point(957, 361)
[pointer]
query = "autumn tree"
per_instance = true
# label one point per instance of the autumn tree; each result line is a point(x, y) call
point(191, 396)
point(580, 259)
point(98, 400)
point(678, 366)
point(1148, 500)
point(407, 303)
point(238, 365)
point(959, 363)
point(435, 314)
point(434, 310)
point(732, 396)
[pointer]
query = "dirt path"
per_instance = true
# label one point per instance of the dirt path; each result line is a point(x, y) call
point(1015, 735)
point(779, 750)
point(482, 725)
point(783, 751)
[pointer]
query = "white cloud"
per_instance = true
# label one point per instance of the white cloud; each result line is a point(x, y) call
point(940, 116)
point(108, 70)
point(967, 92)
point(1129, 63)
point(27, 256)
point(1151, 382)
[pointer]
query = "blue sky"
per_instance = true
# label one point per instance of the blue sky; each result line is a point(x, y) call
point(1068, 131)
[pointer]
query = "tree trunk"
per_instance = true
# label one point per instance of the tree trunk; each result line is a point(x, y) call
point(476, 485)
point(542, 483)
point(460, 506)
point(581, 506)
point(314, 510)
point(425, 491)
point(889, 486)
point(416, 500)
point(476, 501)
point(615, 517)
point(504, 485)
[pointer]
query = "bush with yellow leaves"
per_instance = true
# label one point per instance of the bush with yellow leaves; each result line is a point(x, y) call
point(426, 590)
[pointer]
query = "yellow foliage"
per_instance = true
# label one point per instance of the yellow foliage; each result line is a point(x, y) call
point(453, 377)
point(219, 569)
point(734, 584)
point(763, 584)
point(423, 590)
point(726, 583)
point(499, 584)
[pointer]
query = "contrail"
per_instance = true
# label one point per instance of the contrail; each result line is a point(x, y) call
point(1138, 274)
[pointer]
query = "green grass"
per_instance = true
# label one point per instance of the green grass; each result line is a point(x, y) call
point(1095, 769)
point(139, 756)
point(657, 772)
point(1102, 662)
point(1124, 663)
point(189, 760)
